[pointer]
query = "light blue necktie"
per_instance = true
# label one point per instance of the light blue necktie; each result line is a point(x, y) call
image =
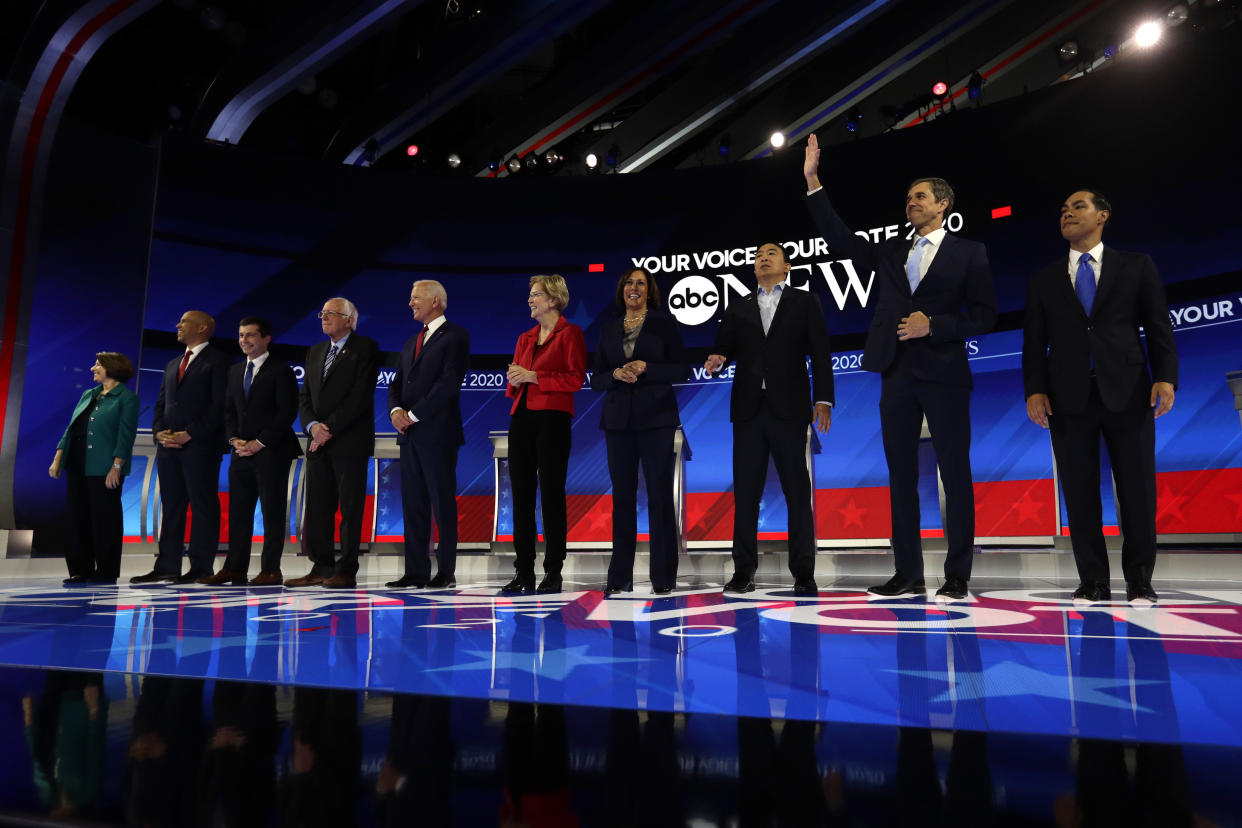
point(1084, 283)
point(327, 363)
point(249, 378)
point(913, 262)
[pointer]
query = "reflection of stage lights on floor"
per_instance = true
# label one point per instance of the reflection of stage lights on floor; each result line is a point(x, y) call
point(698, 631)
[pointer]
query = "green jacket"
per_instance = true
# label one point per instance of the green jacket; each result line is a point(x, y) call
point(111, 431)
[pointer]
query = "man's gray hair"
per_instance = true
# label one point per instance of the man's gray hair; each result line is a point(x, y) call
point(437, 291)
point(350, 310)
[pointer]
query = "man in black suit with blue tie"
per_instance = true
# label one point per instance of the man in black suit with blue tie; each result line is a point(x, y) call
point(1087, 376)
point(261, 405)
point(424, 405)
point(337, 408)
point(188, 426)
point(770, 334)
point(929, 297)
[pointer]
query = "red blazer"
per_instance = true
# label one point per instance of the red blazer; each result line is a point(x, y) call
point(560, 366)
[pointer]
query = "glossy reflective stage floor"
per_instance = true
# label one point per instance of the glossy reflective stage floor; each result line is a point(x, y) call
point(694, 709)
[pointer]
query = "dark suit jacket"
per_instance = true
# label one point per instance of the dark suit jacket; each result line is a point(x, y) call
point(267, 415)
point(430, 385)
point(344, 400)
point(957, 294)
point(798, 330)
point(651, 402)
point(196, 403)
point(1060, 340)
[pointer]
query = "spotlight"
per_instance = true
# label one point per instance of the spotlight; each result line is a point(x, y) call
point(612, 156)
point(592, 160)
point(454, 160)
point(1110, 52)
point(724, 145)
point(940, 89)
point(551, 158)
point(1068, 53)
point(974, 87)
point(531, 161)
point(1177, 15)
point(853, 120)
point(493, 161)
point(412, 150)
point(1148, 34)
point(514, 165)
point(778, 140)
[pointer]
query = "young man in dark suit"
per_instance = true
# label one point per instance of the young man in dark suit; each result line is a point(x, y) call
point(1086, 375)
point(260, 408)
point(337, 405)
point(424, 405)
point(188, 426)
point(770, 334)
point(929, 297)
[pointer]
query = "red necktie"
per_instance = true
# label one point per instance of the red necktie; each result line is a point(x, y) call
point(418, 346)
point(185, 360)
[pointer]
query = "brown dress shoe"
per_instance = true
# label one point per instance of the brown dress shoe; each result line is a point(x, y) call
point(224, 576)
point(268, 577)
point(339, 581)
point(306, 580)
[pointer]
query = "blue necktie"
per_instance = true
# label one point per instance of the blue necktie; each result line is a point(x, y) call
point(1084, 283)
point(249, 378)
point(913, 262)
point(327, 363)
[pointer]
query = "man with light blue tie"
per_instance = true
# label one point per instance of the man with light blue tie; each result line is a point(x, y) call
point(1086, 377)
point(931, 293)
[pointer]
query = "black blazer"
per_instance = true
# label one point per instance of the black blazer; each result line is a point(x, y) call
point(344, 400)
point(196, 403)
point(430, 386)
point(957, 294)
point(798, 330)
point(267, 415)
point(1060, 340)
point(652, 401)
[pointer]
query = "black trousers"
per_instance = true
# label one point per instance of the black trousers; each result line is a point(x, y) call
point(95, 511)
point(653, 448)
point(1130, 436)
point(262, 478)
point(429, 487)
point(539, 443)
point(332, 480)
point(189, 477)
point(904, 401)
point(754, 441)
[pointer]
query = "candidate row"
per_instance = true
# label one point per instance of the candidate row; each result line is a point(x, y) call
point(1088, 376)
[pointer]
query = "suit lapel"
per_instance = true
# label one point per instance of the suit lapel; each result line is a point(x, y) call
point(1108, 277)
point(779, 313)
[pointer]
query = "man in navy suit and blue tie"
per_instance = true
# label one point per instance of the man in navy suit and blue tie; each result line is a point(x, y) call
point(1087, 376)
point(931, 294)
point(188, 425)
point(424, 404)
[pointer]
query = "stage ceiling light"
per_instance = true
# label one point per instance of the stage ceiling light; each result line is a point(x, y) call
point(592, 160)
point(454, 160)
point(1068, 53)
point(552, 158)
point(613, 156)
point(1148, 34)
point(940, 89)
point(853, 120)
point(1177, 15)
point(777, 140)
point(412, 150)
point(724, 145)
point(974, 87)
point(514, 165)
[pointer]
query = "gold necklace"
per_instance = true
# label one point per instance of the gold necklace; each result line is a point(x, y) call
point(630, 324)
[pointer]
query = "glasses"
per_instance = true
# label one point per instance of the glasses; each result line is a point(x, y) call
point(326, 314)
point(535, 294)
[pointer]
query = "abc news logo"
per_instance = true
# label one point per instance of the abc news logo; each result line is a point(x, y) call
point(694, 300)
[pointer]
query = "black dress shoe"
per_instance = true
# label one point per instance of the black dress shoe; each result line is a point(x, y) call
point(152, 577)
point(443, 580)
point(522, 582)
point(953, 589)
point(550, 583)
point(1140, 593)
point(899, 585)
point(740, 583)
point(74, 580)
point(191, 577)
point(1092, 592)
point(406, 581)
point(805, 586)
point(613, 589)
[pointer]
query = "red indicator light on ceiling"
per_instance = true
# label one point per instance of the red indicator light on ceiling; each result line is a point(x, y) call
point(412, 150)
point(939, 88)
point(1002, 212)
point(595, 268)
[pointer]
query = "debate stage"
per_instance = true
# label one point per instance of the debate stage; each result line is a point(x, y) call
point(1016, 705)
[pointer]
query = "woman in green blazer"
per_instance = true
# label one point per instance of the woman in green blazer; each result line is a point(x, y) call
point(95, 452)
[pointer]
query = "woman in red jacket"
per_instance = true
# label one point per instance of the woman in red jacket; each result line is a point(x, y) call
point(549, 365)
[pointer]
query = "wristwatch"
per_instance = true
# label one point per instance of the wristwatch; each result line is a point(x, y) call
point(116, 466)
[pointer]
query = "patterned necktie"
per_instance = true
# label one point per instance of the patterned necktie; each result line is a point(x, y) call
point(913, 262)
point(329, 359)
point(1084, 283)
point(418, 346)
point(249, 378)
point(185, 361)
